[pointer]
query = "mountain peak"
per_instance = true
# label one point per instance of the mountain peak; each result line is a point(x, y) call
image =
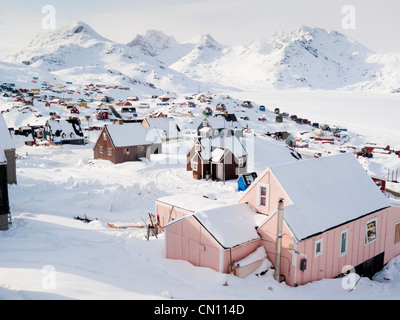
point(153, 42)
point(206, 41)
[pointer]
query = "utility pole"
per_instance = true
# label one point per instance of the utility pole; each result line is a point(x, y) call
point(279, 240)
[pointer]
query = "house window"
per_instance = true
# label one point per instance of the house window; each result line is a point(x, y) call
point(216, 132)
point(104, 136)
point(318, 247)
point(370, 231)
point(101, 149)
point(240, 162)
point(205, 123)
point(263, 195)
point(109, 152)
point(127, 152)
point(195, 166)
point(397, 233)
point(343, 242)
point(197, 148)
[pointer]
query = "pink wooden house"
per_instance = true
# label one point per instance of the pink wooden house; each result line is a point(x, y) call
point(215, 237)
point(334, 217)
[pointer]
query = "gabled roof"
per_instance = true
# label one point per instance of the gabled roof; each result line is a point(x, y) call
point(326, 193)
point(221, 122)
point(65, 129)
point(230, 225)
point(131, 134)
point(167, 125)
point(211, 146)
point(6, 140)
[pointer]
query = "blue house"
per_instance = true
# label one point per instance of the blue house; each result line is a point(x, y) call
point(245, 180)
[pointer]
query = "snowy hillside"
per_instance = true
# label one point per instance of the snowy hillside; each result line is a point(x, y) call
point(77, 53)
point(310, 58)
point(305, 58)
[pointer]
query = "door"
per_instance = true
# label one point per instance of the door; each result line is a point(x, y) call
point(194, 252)
point(220, 171)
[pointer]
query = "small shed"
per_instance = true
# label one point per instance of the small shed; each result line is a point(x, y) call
point(214, 238)
point(245, 180)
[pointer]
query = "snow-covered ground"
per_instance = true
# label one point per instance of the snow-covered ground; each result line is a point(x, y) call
point(47, 254)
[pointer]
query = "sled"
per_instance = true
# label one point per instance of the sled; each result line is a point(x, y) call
point(111, 225)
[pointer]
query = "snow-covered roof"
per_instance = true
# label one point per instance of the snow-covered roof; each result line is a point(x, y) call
point(3, 158)
point(230, 225)
point(6, 141)
point(131, 134)
point(326, 193)
point(229, 143)
point(220, 122)
point(191, 202)
point(64, 130)
point(167, 125)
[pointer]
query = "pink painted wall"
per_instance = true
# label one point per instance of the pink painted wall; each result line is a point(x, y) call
point(166, 212)
point(330, 263)
point(392, 249)
point(275, 193)
point(187, 240)
point(238, 253)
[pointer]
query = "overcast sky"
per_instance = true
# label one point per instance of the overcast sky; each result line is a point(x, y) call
point(376, 24)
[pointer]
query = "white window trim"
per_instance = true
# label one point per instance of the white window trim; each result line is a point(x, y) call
point(101, 149)
point(376, 231)
point(197, 147)
point(260, 185)
point(341, 254)
point(321, 242)
point(195, 166)
point(109, 151)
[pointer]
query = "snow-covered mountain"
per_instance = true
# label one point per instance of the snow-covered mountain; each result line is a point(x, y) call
point(311, 58)
point(304, 58)
point(77, 53)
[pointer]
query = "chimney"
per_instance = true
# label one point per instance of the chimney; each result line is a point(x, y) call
point(277, 274)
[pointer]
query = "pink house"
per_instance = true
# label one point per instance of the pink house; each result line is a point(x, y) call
point(334, 217)
point(214, 238)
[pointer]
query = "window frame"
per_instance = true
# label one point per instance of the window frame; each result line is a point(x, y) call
point(366, 241)
point(343, 253)
point(321, 251)
point(259, 196)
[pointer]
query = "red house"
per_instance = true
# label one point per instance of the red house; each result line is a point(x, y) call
point(74, 110)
